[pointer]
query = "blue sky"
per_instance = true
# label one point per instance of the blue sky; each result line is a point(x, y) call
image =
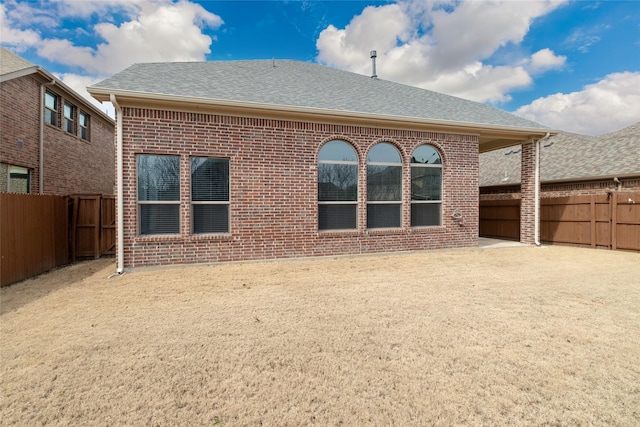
point(570, 65)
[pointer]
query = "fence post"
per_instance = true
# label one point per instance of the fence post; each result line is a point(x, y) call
point(614, 220)
point(592, 201)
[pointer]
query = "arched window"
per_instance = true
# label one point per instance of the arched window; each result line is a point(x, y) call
point(384, 186)
point(337, 186)
point(426, 187)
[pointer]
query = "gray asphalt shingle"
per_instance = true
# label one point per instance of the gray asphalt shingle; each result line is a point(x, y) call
point(10, 62)
point(304, 85)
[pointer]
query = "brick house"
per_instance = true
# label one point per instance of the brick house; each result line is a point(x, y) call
point(247, 160)
point(53, 140)
point(570, 165)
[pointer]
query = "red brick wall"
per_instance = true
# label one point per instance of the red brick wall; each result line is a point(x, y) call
point(273, 172)
point(71, 164)
point(20, 125)
point(527, 205)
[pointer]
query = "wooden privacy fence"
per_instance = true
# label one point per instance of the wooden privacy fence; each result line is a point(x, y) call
point(601, 221)
point(33, 235)
point(38, 233)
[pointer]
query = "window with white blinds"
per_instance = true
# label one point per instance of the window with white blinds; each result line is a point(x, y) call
point(426, 187)
point(158, 194)
point(209, 195)
point(384, 187)
point(337, 186)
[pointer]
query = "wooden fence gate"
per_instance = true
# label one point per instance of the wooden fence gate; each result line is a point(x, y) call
point(92, 227)
point(601, 221)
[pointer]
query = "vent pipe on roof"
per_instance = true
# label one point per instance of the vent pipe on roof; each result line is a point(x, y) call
point(373, 64)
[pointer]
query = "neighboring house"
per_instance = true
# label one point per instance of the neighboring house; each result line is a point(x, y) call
point(53, 141)
point(225, 161)
point(570, 165)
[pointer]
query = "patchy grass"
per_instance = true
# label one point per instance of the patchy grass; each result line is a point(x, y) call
point(469, 337)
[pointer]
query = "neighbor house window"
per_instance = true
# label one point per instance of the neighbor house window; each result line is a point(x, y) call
point(83, 125)
point(158, 194)
point(384, 187)
point(50, 108)
point(337, 186)
point(69, 122)
point(14, 179)
point(426, 187)
point(209, 195)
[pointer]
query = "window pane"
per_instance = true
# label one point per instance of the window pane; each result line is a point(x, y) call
point(68, 110)
point(384, 183)
point(209, 180)
point(210, 218)
point(426, 154)
point(337, 217)
point(426, 183)
point(383, 216)
point(384, 152)
point(50, 101)
point(160, 219)
point(424, 214)
point(338, 150)
point(337, 182)
point(158, 178)
point(50, 117)
point(82, 117)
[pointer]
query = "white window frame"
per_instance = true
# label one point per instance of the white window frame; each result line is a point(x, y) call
point(140, 203)
point(438, 202)
point(53, 111)
point(386, 202)
point(68, 122)
point(341, 202)
point(227, 202)
point(83, 128)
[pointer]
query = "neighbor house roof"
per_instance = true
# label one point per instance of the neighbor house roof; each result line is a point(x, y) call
point(569, 157)
point(12, 63)
point(302, 87)
point(13, 66)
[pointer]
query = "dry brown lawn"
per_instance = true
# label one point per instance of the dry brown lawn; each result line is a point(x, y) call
point(517, 336)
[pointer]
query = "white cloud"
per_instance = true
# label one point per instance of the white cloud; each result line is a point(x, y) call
point(20, 39)
point(155, 31)
point(546, 59)
point(150, 30)
point(442, 45)
point(605, 106)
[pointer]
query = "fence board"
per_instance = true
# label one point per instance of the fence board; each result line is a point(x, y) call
point(597, 221)
point(108, 226)
point(500, 219)
point(33, 235)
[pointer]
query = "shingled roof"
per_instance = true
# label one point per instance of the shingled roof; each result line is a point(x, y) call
point(301, 86)
point(11, 63)
point(569, 157)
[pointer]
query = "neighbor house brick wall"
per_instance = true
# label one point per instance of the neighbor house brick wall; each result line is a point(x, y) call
point(71, 164)
point(273, 179)
point(20, 125)
point(565, 189)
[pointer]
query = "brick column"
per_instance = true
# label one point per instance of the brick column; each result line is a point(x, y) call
point(528, 185)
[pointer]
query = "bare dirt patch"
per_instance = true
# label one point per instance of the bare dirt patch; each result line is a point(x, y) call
point(469, 337)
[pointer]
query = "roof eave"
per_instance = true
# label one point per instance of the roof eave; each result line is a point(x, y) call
point(492, 137)
point(18, 73)
point(43, 76)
